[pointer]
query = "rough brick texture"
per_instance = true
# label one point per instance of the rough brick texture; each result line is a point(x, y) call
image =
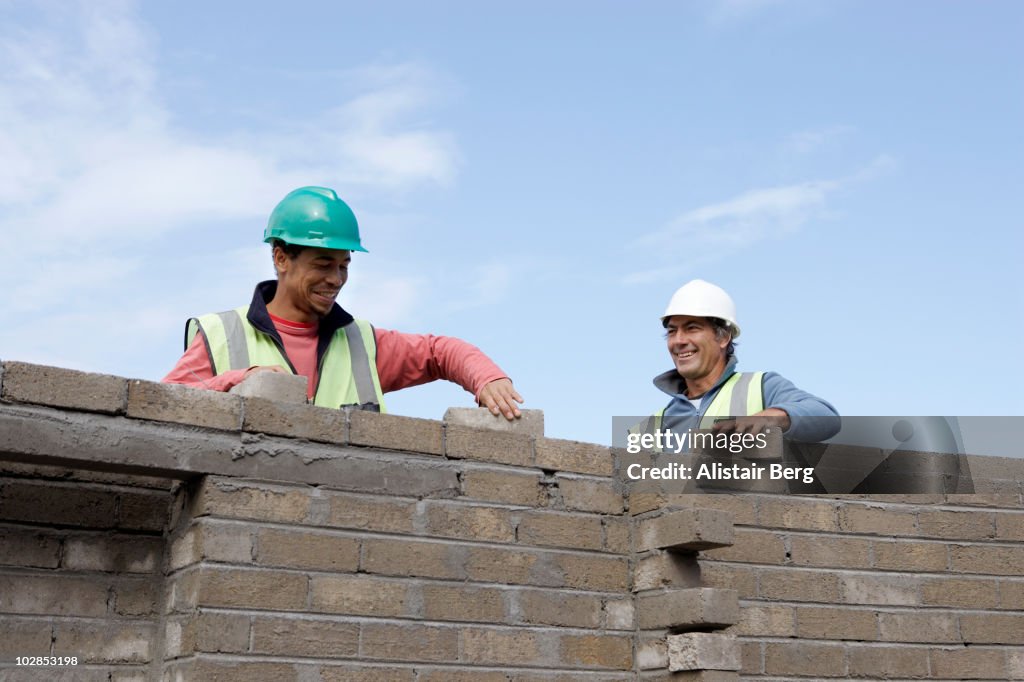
point(163, 533)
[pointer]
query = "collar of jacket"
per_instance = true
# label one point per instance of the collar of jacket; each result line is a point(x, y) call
point(670, 382)
point(260, 319)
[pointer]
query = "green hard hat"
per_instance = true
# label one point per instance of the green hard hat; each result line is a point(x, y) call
point(314, 216)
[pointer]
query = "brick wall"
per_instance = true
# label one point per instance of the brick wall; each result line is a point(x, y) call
point(164, 533)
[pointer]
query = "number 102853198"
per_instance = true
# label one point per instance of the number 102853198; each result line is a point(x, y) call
point(46, 660)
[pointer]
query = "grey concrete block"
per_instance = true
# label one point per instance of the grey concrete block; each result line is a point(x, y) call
point(59, 387)
point(277, 386)
point(293, 420)
point(530, 424)
point(685, 529)
point(703, 651)
point(694, 607)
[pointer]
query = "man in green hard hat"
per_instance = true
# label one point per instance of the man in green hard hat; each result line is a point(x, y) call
point(294, 325)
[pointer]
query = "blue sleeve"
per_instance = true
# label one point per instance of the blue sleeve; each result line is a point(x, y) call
point(812, 419)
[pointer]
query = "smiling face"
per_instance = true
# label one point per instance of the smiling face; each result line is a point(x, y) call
point(308, 283)
point(697, 351)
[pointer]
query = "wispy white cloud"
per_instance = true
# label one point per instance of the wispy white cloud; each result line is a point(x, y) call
point(707, 233)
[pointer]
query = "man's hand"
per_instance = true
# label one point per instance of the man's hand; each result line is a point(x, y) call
point(755, 423)
point(500, 397)
point(264, 368)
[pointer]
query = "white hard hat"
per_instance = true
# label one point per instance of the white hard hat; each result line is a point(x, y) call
point(698, 298)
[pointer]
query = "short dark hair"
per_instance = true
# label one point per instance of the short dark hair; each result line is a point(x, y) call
point(290, 250)
point(723, 329)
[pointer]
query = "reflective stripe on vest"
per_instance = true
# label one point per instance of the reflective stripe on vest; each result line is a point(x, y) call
point(741, 395)
point(348, 370)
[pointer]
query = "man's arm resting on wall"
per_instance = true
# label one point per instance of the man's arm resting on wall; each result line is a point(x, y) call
point(405, 360)
point(194, 369)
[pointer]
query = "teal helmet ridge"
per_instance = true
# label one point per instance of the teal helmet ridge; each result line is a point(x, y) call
point(314, 216)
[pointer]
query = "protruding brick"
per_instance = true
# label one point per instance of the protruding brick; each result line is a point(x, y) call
point(569, 455)
point(58, 387)
point(694, 607)
point(462, 442)
point(184, 405)
point(703, 651)
point(322, 424)
point(275, 386)
point(392, 432)
point(685, 529)
point(531, 423)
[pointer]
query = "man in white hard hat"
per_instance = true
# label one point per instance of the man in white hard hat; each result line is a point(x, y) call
point(704, 386)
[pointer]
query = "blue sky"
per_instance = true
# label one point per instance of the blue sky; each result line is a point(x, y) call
point(536, 178)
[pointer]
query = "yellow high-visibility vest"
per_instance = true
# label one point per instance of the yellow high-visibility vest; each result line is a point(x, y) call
point(348, 369)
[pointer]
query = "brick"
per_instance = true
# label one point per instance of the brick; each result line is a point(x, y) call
point(805, 658)
point(751, 658)
point(665, 569)
point(360, 596)
point(297, 548)
point(597, 651)
point(113, 554)
point(617, 536)
point(598, 573)
point(694, 607)
point(276, 386)
point(466, 522)
point(463, 603)
point(619, 614)
point(508, 487)
point(766, 621)
point(789, 585)
point(651, 652)
point(836, 623)
point(491, 446)
point(957, 525)
point(797, 514)
point(59, 387)
point(144, 511)
point(880, 589)
point(888, 662)
point(967, 663)
point(511, 567)
point(104, 642)
point(230, 499)
point(184, 405)
point(370, 513)
point(742, 507)
point(57, 504)
point(559, 608)
point(740, 578)
point(219, 670)
point(1011, 595)
point(392, 432)
point(641, 502)
point(590, 495)
point(992, 628)
point(136, 597)
point(53, 595)
point(501, 647)
point(964, 592)
point(210, 541)
point(692, 676)
point(552, 529)
point(409, 642)
point(926, 627)
point(23, 638)
point(251, 589)
point(453, 675)
point(685, 529)
point(209, 632)
point(830, 551)
point(911, 556)
point(877, 520)
point(320, 424)
point(753, 546)
point(412, 558)
point(24, 547)
point(1010, 527)
point(987, 559)
point(703, 651)
point(569, 455)
point(319, 638)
